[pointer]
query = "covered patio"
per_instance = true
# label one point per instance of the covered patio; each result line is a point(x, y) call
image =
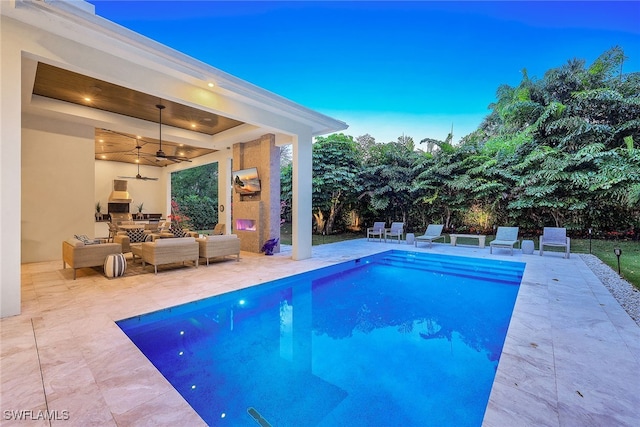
point(72, 80)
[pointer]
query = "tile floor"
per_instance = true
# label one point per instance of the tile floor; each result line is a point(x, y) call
point(571, 357)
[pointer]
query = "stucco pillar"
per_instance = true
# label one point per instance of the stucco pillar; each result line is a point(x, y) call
point(224, 192)
point(302, 200)
point(10, 181)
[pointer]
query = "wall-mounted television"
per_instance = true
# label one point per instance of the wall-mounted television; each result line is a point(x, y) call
point(246, 181)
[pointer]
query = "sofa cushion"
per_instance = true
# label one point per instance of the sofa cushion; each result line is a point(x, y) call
point(137, 235)
point(221, 237)
point(178, 232)
point(75, 242)
point(86, 240)
point(174, 242)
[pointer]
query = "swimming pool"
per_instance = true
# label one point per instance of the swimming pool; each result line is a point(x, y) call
point(398, 338)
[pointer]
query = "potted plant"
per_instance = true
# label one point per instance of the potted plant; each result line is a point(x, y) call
point(140, 207)
point(98, 213)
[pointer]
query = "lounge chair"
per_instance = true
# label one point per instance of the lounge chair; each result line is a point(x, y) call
point(396, 230)
point(434, 232)
point(506, 237)
point(557, 237)
point(376, 231)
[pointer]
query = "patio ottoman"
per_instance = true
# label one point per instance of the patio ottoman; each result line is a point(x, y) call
point(115, 265)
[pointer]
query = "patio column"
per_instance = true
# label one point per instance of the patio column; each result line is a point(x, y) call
point(10, 176)
point(302, 200)
point(224, 192)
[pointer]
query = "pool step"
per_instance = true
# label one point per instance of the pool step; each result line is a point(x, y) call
point(491, 270)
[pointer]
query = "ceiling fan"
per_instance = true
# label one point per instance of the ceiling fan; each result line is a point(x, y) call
point(160, 155)
point(138, 176)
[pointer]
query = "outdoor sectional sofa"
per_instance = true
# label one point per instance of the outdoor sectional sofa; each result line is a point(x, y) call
point(77, 254)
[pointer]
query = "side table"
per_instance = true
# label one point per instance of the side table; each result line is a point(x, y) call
point(410, 238)
point(527, 247)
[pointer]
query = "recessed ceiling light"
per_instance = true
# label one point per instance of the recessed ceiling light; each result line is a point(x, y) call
point(101, 140)
point(104, 157)
point(193, 125)
point(86, 98)
point(210, 84)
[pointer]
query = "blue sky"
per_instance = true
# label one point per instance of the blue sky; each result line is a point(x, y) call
point(388, 68)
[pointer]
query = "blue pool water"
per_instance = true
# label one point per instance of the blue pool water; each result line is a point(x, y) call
point(394, 339)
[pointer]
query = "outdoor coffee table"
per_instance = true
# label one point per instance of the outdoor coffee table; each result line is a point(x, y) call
point(481, 238)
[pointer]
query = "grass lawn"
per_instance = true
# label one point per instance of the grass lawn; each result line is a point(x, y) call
point(317, 239)
point(603, 249)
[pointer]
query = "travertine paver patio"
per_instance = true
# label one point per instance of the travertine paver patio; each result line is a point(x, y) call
point(571, 357)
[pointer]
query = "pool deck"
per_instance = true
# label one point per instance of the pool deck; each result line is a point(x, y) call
point(571, 356)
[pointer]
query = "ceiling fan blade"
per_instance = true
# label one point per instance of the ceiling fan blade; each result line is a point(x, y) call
point(177, 159)
point(144, 178)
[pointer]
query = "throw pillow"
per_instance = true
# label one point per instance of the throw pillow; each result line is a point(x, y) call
point(178, 232)
point(84, 239)
point(136, 235)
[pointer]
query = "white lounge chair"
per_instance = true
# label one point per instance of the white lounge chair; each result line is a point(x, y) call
point(506, 237)
point(556, 237)
point(434, 232)
point(396, 230)
point(377, 230)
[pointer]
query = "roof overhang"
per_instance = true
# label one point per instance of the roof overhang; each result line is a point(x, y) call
point(101, 49)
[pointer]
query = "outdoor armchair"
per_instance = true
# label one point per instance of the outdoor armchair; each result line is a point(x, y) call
point(555, 237)
point(77, 254)
point(219, 246)
point(506, 237)
point(376, 231)
point(396, 230)
point(169, 251)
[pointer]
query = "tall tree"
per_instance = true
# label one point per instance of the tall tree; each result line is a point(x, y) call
point(336, 163)
point(572, 137)
point(387, 178)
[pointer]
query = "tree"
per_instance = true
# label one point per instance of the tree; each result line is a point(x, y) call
point(436, 185)
point(336, 163)
point(195, 190)
point(567, 141)
point(387, 178)
point(286, 191)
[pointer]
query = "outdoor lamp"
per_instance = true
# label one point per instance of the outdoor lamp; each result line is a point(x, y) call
point(618, 252)
point(589, 240)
